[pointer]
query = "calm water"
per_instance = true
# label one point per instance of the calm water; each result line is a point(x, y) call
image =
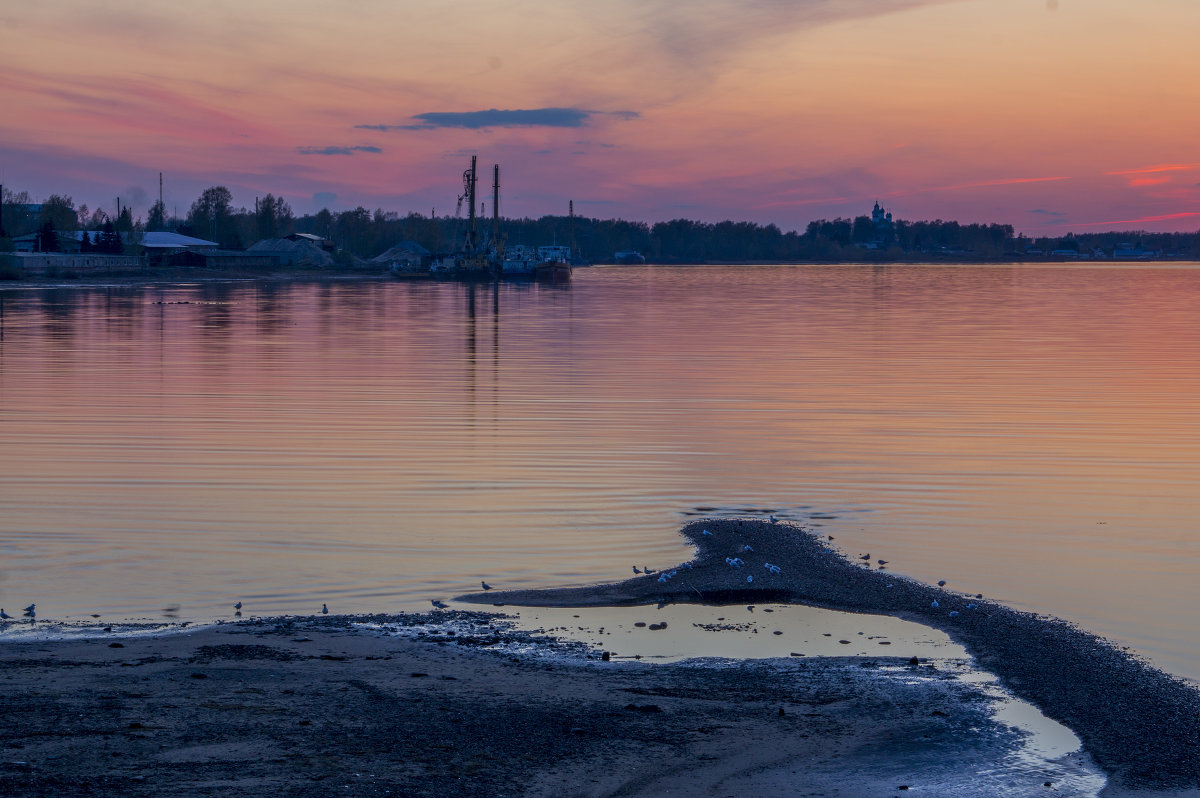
point(1031, 433)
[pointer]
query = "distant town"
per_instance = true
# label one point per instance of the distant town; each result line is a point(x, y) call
point(56, 238)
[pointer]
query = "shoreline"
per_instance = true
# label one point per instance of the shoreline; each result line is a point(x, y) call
point(197, 275)
point(454, 703)
point(1140, 724)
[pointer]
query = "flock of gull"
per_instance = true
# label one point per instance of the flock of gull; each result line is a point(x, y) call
point(663, 577)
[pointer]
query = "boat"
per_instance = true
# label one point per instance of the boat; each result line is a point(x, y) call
point(554, 263)
point(518, 261)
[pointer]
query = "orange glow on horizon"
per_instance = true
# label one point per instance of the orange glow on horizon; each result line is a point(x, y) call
point(781, 113)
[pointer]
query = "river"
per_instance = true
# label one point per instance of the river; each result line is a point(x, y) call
point(1031, 433)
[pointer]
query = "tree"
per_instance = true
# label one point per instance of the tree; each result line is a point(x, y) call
point(59, 211)
point(211, 215)
point(323, 223)
point(99, 217)
point(109, 241)
point(85, 243)
point(156, 218)
point(274, 217)
point(47, 239)
point(124, 221)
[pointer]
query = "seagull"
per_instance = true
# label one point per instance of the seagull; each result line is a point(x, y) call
point(486, 586)
point(749, 578)
point(635, 570)
point(953, 613)
point(706, 532)
point(941, 583)
point(970, 606)
point(325, 608)
point(435, 603)
point(30, 608)
point(747, 548)
point(882, 562)
point(4, 616)
point(774, 520)
point(238, 606)
point(935, 604)
point(866, 556)
point(648, 569)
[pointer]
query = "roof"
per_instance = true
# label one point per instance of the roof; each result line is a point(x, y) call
point(165, 240)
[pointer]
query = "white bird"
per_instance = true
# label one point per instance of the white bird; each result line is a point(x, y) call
point(434, 602)
point(4, 616)
point(30, 608)
point(935, 604)
point(486, 586)
point(749, 578)
point(747, 548)
point(970, 606)
point(324, 609)
point(237, 606)
point(635, 570)
point(953, 613)
point(941, 583)
point(706, 532)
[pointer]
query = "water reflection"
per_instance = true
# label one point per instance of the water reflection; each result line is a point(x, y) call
point(1025, 432)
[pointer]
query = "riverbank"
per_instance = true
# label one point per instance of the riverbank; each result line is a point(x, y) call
point(458, 703)
point(1142, 726)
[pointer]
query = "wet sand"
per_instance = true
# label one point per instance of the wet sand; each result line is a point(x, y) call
point(336, 706)
point(1141, 725)
point(452, 703)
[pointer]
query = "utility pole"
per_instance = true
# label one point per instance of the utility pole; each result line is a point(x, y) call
point(496, 207)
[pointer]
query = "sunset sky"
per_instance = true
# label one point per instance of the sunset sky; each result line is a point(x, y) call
point(1051, 115)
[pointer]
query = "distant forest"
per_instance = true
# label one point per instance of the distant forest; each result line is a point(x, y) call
point(361, 233)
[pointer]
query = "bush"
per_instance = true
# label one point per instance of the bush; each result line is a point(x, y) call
point(10, 271)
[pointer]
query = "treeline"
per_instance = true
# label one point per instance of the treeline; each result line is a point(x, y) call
point(363, 233)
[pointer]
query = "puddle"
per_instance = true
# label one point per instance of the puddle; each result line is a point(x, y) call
point(696, 631)
point(1046, 749)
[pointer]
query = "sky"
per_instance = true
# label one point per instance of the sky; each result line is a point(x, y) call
point(1050, 115)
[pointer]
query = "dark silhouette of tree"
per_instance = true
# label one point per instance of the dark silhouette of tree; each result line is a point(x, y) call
point(274, 217)
point(124, 221)
point(59, 211)
point(47, 240)
point(156, 217)
point(109, 240)
point(85, 243)
point(211, 216)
